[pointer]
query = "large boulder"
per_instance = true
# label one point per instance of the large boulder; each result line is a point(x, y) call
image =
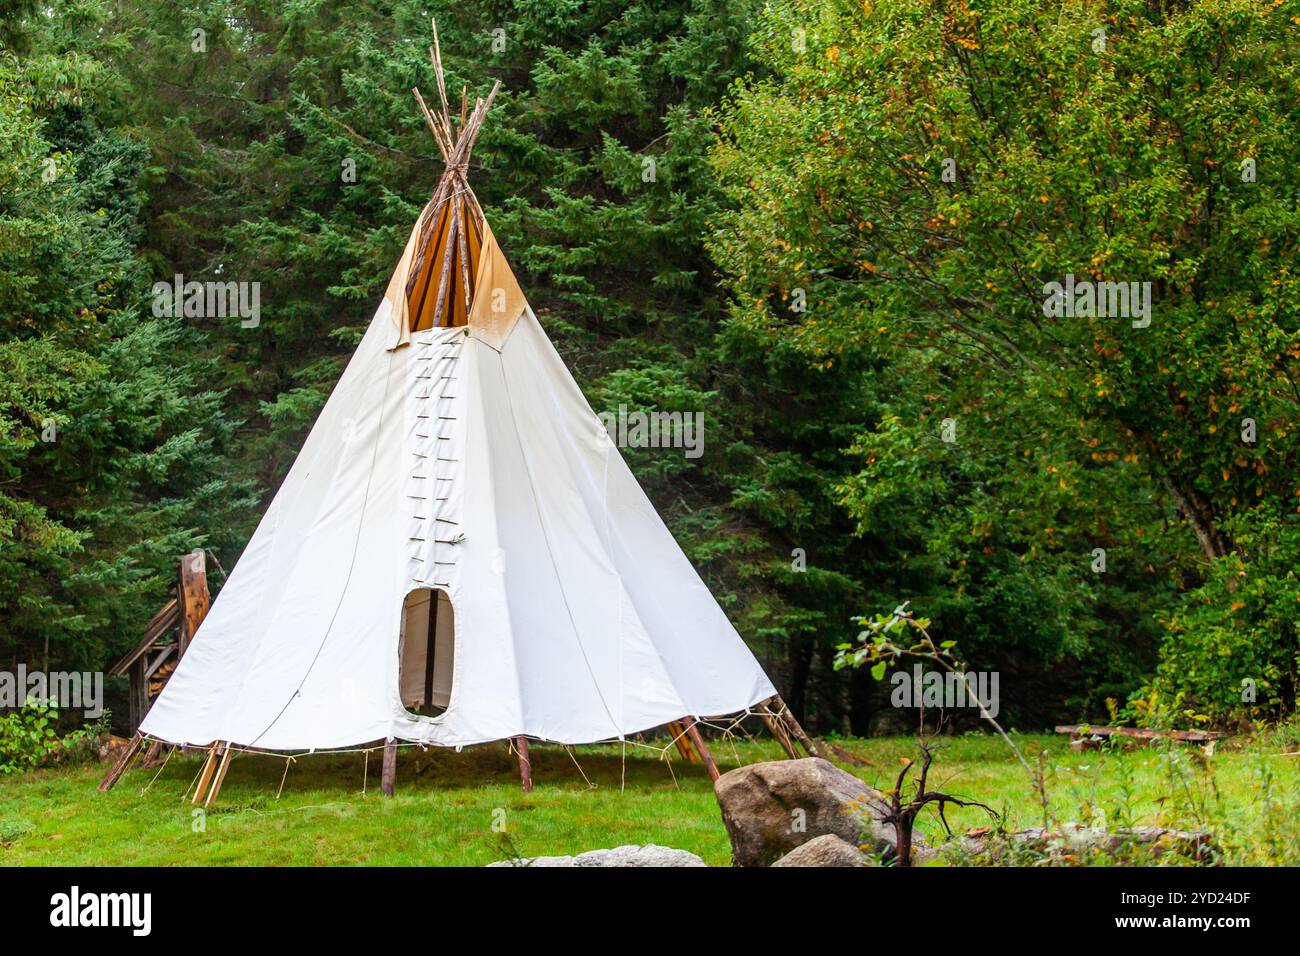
point(826, 850)
point(771, 808)
point(648, 855)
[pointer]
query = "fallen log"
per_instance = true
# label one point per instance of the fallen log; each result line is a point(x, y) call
point(1087, 737)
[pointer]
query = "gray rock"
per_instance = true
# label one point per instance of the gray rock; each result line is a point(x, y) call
point(648, 855)
point(771, 808)
point(827, 850)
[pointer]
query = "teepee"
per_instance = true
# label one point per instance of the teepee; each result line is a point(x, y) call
point(459, 554)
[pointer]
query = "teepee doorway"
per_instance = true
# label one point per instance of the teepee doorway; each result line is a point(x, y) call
point(427, 650)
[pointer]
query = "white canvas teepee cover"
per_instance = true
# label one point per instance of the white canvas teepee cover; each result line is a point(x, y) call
point(464, 459)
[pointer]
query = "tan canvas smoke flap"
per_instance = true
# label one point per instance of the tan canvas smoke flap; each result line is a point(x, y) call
point(394, 303)
point(498, 300)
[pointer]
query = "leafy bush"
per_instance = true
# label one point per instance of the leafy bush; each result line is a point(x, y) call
point(27, 736)
point(1232, 652)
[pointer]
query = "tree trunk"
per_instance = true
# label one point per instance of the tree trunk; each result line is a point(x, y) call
point(861, 687)
point(903, 830)
point(1200, 515)
point(800, 663)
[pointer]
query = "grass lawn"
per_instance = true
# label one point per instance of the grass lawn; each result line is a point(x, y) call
point(447, 803)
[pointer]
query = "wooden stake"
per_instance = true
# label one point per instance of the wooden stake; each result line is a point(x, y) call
point(206, 775)
point(119, 767)
point(525, 764)
point(693, 732)
point(388, 779)
point(227, 752)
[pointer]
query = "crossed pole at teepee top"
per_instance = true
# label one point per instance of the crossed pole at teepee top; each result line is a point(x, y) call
point(455, 142)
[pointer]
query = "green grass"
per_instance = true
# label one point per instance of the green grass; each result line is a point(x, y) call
point(447, 803)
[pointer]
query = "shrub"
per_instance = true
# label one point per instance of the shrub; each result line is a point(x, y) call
point(1232, 653)
point(27, 736)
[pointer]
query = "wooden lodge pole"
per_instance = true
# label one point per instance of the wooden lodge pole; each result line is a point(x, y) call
point(795, 730)
point(778, 729)
point(525, 764)
point(227, 752)
point(206, 775)
point(388, 779)
point(119, 767)
point(683, 745)
point(693, 732)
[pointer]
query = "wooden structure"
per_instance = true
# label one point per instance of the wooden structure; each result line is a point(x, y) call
point(151, 662)
point(165, 639)
point(1086, 737)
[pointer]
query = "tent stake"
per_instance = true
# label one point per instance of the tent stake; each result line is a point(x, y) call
point(693, 732)
point(388, 778)
point(120, 766)
point(525, 764)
